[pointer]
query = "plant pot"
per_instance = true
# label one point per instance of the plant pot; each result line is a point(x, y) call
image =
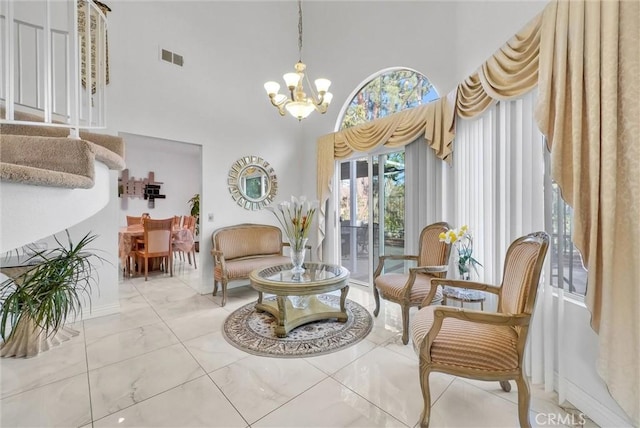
point(29, 340)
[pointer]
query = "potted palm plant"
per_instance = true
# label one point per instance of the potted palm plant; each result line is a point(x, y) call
point(38, 298)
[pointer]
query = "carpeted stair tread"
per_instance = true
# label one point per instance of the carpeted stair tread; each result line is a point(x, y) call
point(45, 155)
point(107, 157)
point(43, 177)
point(56, 154)
point(110, 142)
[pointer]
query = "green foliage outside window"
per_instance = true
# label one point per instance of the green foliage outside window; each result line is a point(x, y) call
point(386, 94)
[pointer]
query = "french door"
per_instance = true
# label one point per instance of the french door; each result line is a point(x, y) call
point(372, 213)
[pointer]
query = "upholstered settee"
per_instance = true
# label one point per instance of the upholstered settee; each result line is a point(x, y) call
point(238, 250)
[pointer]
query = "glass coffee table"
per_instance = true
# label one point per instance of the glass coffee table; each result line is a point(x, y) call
point(296, 294)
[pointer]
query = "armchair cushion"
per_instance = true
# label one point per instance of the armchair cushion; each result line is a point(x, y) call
point(251, 240)
point(241, 268)
point(391, 286)
point(467, 344)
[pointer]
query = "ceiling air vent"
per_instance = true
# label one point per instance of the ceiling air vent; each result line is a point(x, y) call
point(171, 57)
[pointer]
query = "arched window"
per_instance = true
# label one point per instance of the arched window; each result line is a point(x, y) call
point(371, 201)
point(387, 92)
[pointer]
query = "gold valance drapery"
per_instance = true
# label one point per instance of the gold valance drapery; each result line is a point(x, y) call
point(510, 73)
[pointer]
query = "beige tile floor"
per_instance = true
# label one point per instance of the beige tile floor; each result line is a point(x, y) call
point(162, 361)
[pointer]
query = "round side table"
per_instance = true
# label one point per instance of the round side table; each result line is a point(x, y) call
point(463, 295)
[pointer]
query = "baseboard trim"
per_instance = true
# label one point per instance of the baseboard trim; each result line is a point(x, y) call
point(594, 409)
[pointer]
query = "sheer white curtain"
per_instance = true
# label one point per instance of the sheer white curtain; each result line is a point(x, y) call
point(424, 174)
point(496, 187)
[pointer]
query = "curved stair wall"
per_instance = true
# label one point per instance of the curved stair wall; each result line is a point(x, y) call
point(50, 182)
point(29, 213)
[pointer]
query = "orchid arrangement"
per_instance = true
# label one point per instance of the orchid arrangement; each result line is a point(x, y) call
point(295, 217)
point(463, 241)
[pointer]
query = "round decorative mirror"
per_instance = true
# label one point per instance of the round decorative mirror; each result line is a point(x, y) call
point(252, 182)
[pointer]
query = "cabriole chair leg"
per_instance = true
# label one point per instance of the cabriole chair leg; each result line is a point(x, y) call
point(376, 297)
point(426, 396)
point(524, 399)
point(505, 385)
point(224, 292)
point(405, 323)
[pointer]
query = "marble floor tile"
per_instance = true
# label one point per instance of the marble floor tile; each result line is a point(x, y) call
point(541, 401)
point(391, 382)
point(199, 323)
point(212, 351)
point(184, 306)
point(147, 365)
point(465, 405)
point(126, 290)
point(198, 403)
point(331, 363)
point(396, 345)
point(132, 302)
point(328, 404)
point(21, 374)
point(64, 403)
point(120, 385)
point(167, 295)
point(126, 319)
point(120, 346)
point(236, 297)
point(258, 385)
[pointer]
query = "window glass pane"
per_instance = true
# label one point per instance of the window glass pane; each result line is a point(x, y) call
point(567, 269)
point(388, 93)
point(372, 198)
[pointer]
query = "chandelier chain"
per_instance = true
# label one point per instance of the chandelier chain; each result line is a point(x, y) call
point(300, 30)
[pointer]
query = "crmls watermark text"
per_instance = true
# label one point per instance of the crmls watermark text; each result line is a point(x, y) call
point(551, 419)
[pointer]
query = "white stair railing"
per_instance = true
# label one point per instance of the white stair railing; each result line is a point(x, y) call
point(53, 63)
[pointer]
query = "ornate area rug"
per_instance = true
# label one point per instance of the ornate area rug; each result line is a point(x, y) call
point(254, 332)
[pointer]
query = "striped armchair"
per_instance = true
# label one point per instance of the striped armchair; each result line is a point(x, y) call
point(481, 345)
point(410, 289)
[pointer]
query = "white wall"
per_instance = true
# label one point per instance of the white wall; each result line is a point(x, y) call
point(105, 297)
point(231, 48)
point(104, 294)
point(178, 166)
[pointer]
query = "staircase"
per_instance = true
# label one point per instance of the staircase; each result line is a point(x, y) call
point(49, 181)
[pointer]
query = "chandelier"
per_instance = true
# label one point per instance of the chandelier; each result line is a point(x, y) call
point(298, 104)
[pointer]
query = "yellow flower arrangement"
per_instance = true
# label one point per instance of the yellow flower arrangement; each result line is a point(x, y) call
point(463, 240)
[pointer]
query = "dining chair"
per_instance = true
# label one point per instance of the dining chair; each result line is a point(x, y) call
point(131, 220)
point(157, 243)
point(189, 222)
point(482, 345)
point(191, 225)
point(410, 289)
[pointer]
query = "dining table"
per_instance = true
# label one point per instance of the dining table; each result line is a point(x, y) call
point(182, 239)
